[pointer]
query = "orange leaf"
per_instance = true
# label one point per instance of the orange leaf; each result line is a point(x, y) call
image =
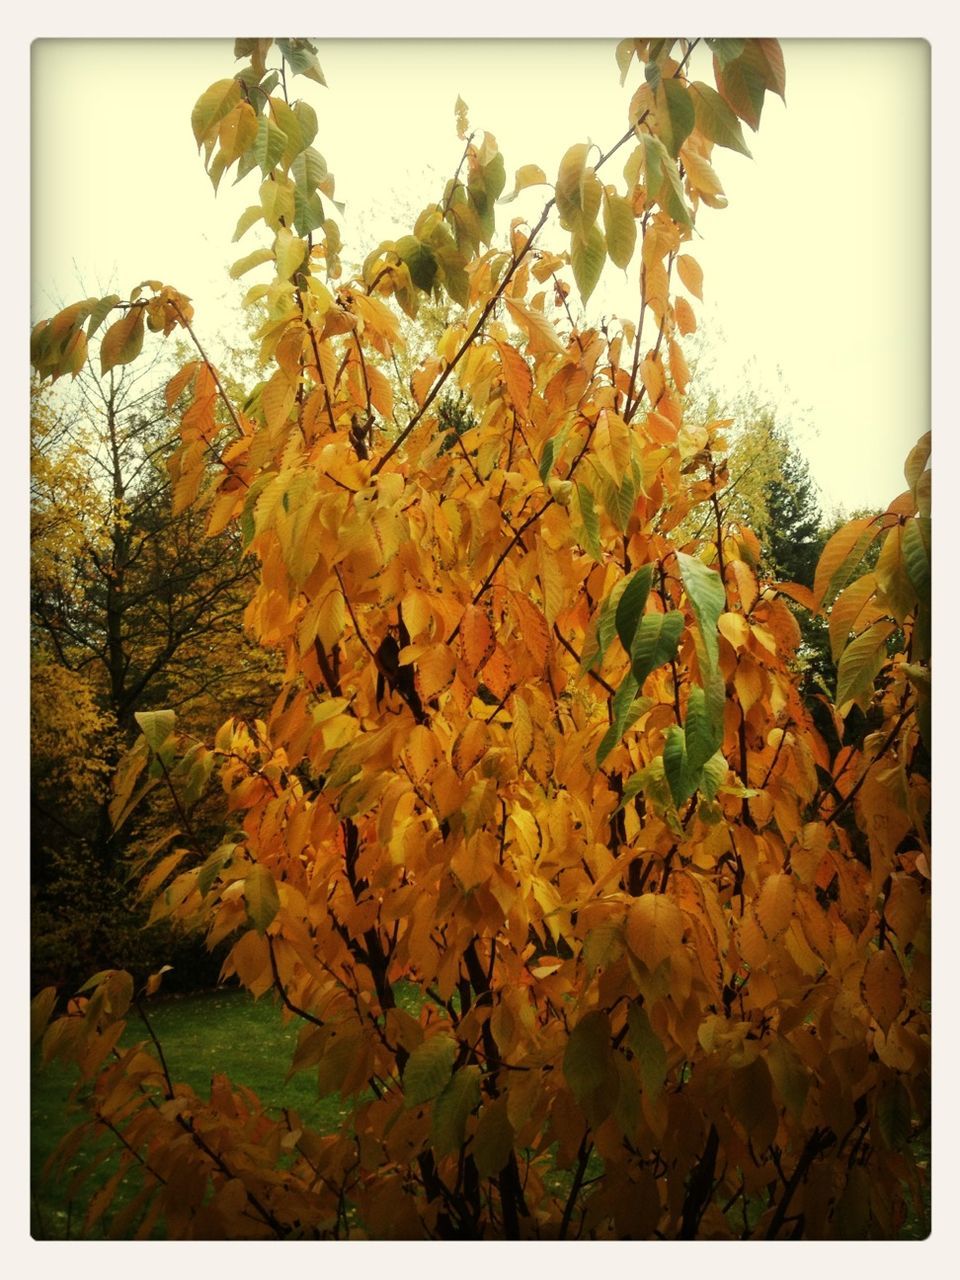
point(775, 905)
point(477, 640)
point(678, 368)
point(847, 544)
point(517, 376)
point(881, 987)
point(434, 672)
point(122, 341)
point(691, 274)
point(686, 320)
point(654, 928)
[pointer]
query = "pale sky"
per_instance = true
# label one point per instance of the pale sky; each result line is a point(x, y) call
point(816, 275)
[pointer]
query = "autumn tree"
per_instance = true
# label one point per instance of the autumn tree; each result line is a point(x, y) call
point(130, 605)
point(534, 750)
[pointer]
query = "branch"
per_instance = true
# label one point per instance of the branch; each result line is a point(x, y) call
point(508, 275)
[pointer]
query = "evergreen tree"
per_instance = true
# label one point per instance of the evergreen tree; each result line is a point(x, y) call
point(795, 534)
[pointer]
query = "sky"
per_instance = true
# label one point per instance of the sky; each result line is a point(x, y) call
point(816, 275)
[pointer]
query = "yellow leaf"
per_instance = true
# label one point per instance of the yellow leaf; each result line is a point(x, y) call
point(435, 671)
point(123, 340)
point(686, 320)
point(775, 905)
point(734, 628)
point(517, 376)
point(291, 251)
point(882, 987)
point(651, 374)
point(477, 640)
point(331, 619)
point(654, 928)
point(278, 398)
point(678, 368)
point(691, 274)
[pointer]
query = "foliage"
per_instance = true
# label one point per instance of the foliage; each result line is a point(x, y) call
point(534, 750)
point(128, 606)
point(224, 1029)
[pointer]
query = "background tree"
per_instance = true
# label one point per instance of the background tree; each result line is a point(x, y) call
point(130, 605)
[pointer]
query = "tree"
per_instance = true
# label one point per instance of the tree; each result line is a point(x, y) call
point(533, 750)
point(129, 606)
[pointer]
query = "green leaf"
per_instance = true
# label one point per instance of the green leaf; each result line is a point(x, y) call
point(211, 107)
point(621, 228)
point(301, 57)
point(420, 261)
point(494, 177)
point(706, 594)
point(551, 451)
point(588, 252)
point(284, 117)
point(619, 501)
point(676, 116)
point(715, 120)
point(663, 180)
point(861, 661)
point(270, 145)
point(248, 523)
point(916, 462)
point(156, 726)
point(655, 642)
point(307, 120)
point(726, 50)
point(676, 766)
point(703, 727)
point(654, 156)
point(308, 211)
point(632, 603)
point(915, 548)
point(587, 1055)
point(41, 1007)
point(648, 1050)
point(100, 313)
point(894, 1115)
point(493, 1140)
point(219, 859)
point(605, 628)
point(428, 1068)
point(743, 82)
point(308, 170)
point(625, 709)
point(714, 774)
point(451, 1109)
point(261, 897)
point(567, 189)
